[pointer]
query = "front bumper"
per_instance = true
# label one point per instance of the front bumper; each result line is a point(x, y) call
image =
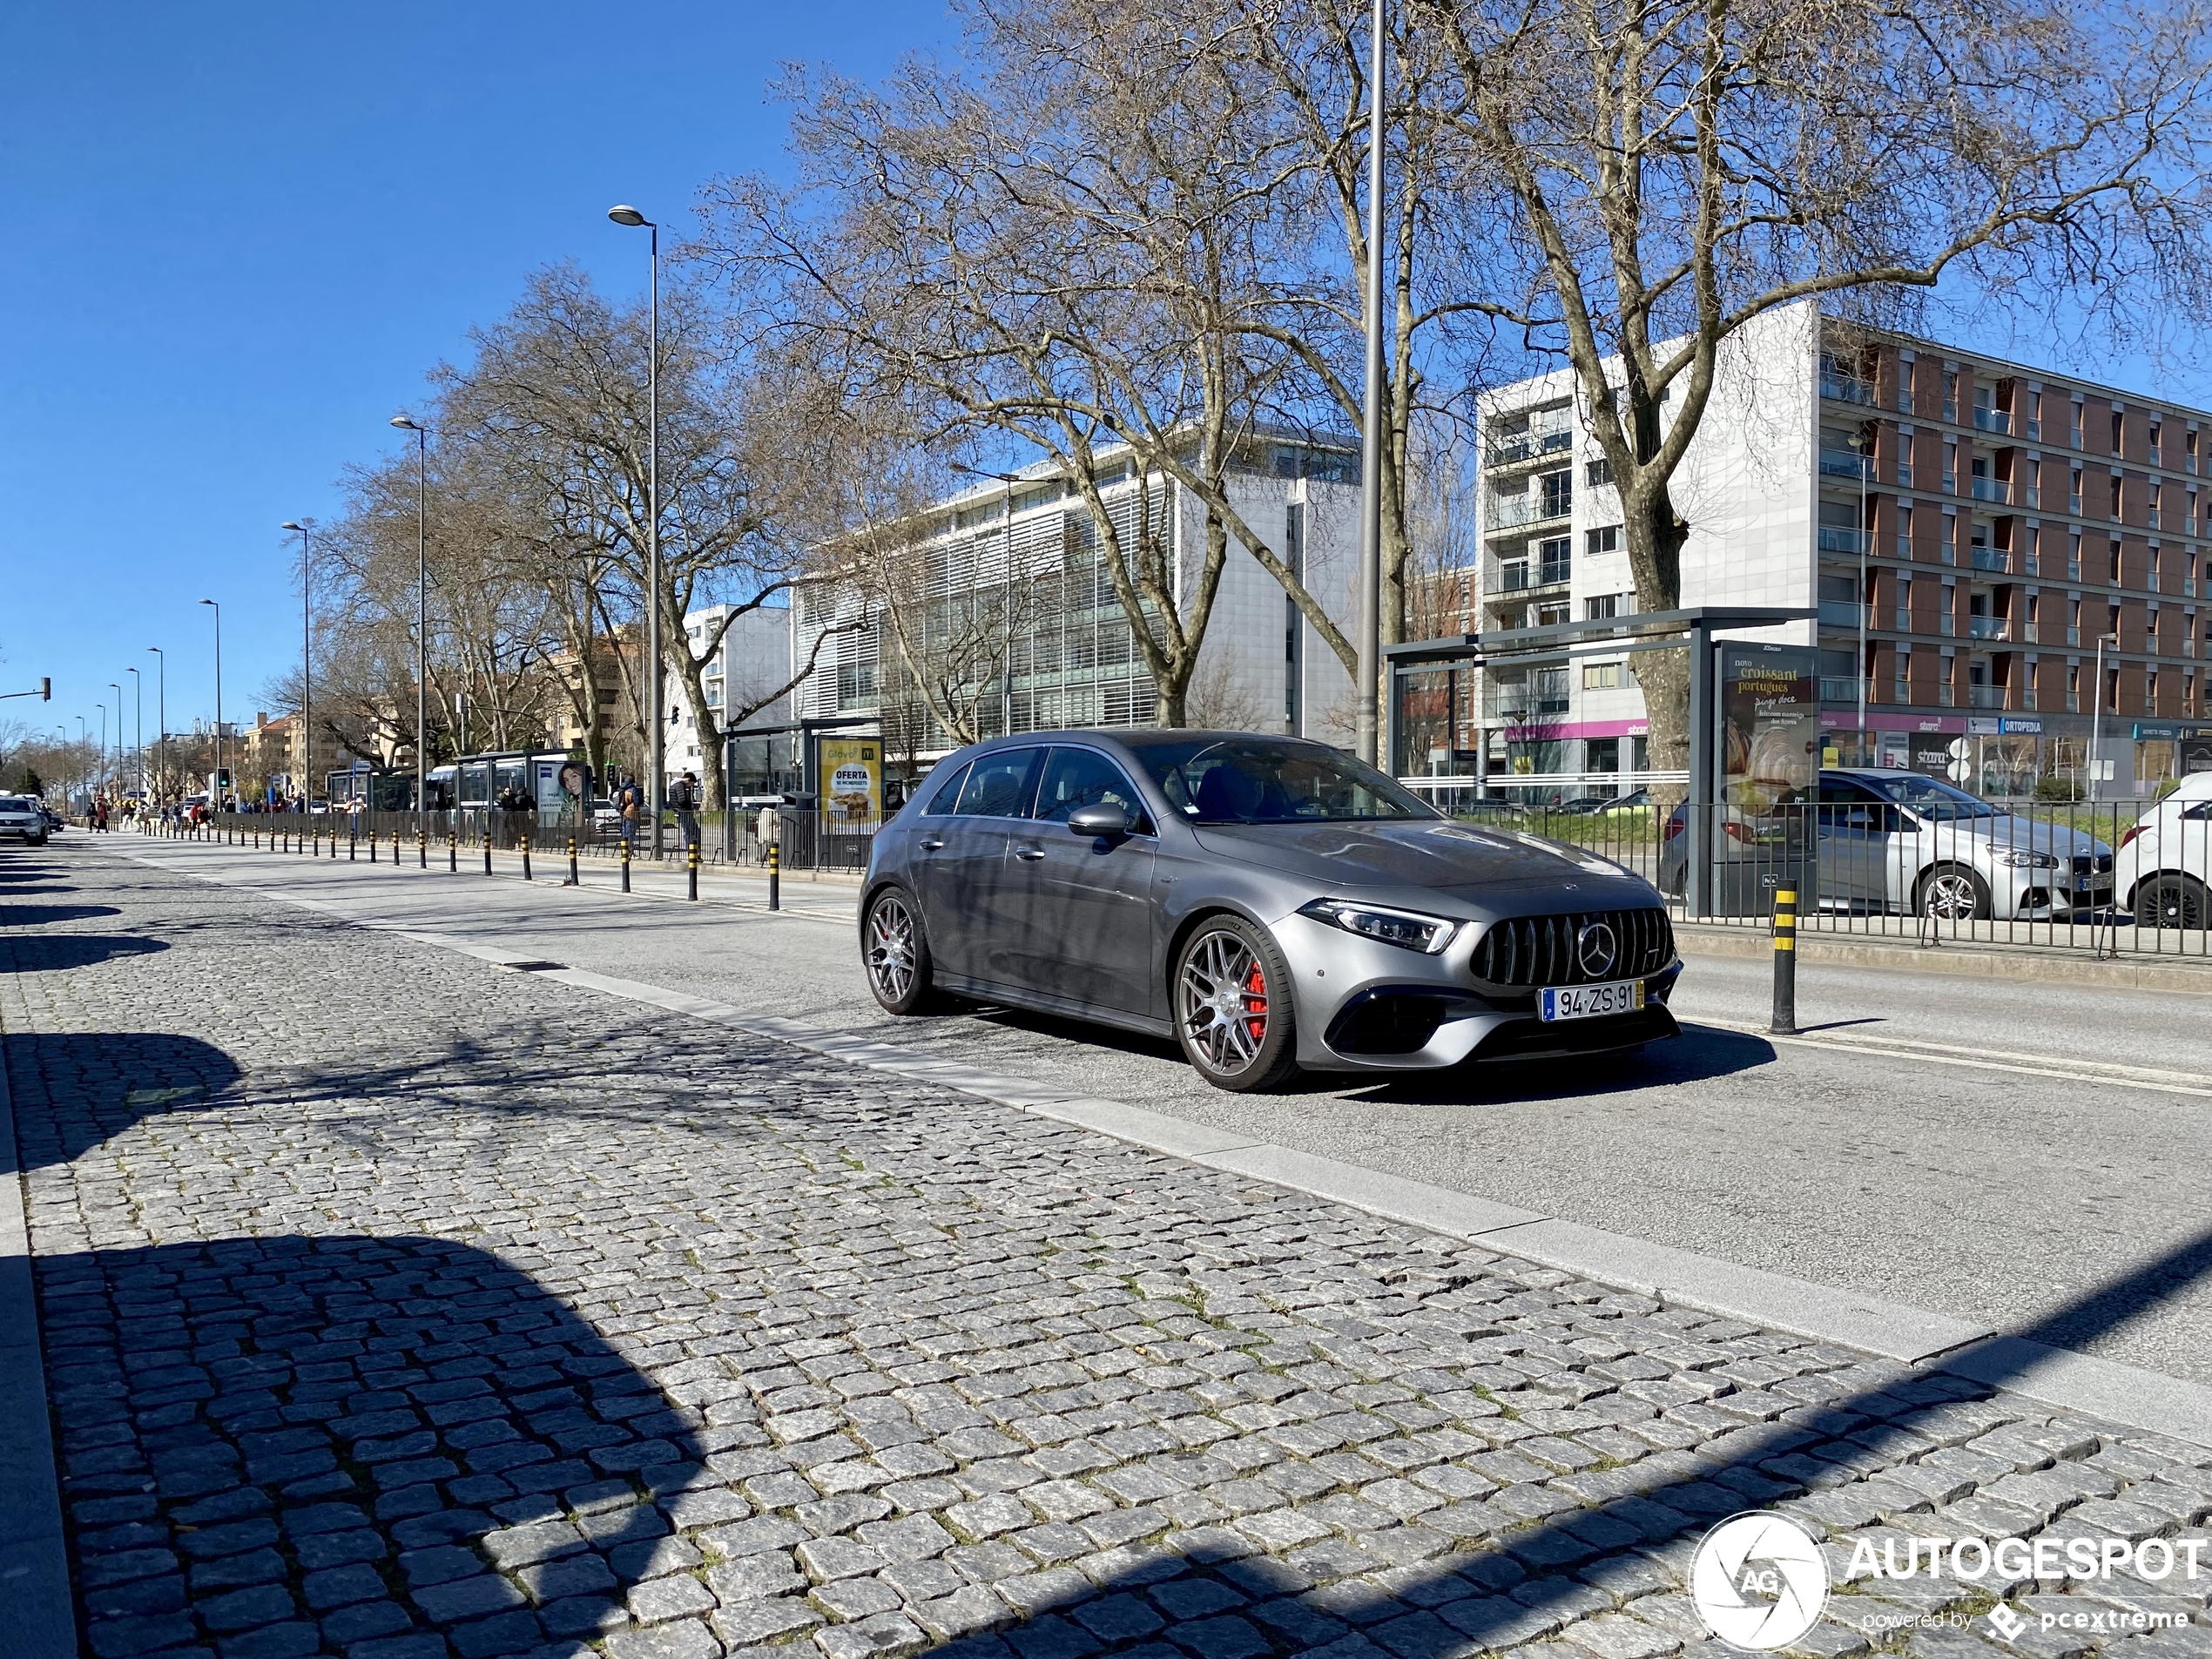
point(1364, 1006)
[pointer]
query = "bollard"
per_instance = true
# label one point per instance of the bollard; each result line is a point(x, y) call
point(486, 851)
point(1785, 963)
point(526, 856)
point(775, 875)
point(625, 863)
point(572, 881)
point(692, 874)
point(453, 851)
point(423, 848)
point(352, 843)
point(372, 843)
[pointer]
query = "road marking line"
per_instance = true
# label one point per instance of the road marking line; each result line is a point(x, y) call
point(2088, 1071)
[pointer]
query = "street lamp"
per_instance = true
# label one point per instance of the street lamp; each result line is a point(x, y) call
point(1859, 446)
point(1364, 711)
point(307, 677)
point(2097, 713)
point(214, 803)
point(138, 732)
point(623, 213)
point(99, 763)
point(161, 709)
point(421, 636)
point(117, 782)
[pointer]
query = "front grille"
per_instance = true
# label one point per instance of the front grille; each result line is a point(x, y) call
point(1540, 950)
point(2083, 863)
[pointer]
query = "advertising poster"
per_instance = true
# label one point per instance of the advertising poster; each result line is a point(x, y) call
point(851, 785)
point(1770, 709)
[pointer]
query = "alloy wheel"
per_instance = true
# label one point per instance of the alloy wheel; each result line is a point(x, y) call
point(891, 948)
point(2180, 903)
point(1951, 896)
point(1221, 1000)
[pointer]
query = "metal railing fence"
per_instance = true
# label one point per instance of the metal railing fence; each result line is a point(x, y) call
point(2108, 878)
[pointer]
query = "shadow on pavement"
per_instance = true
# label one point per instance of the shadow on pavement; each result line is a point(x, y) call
point(2120, 1298)
point(50, 952)
point(312, 1439)
point(113, 1079)
point(39, 915)
point(1702, 1052)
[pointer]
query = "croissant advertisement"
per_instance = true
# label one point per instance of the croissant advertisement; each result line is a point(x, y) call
point(1769, 710)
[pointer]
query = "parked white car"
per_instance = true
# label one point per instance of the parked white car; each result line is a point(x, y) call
point(2164, 866)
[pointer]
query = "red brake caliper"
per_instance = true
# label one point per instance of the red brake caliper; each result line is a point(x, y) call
point(1256, 1003)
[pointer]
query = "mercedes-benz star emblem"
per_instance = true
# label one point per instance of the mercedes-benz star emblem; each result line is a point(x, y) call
point(1596, 950)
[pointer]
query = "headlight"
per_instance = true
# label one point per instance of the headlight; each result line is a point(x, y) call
point(1427, 934)
point(2028, 860)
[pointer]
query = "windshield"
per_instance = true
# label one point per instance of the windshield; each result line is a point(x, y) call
point(1929, 798)
point(1262, 780)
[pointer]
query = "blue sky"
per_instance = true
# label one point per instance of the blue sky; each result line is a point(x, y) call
point(236, 236)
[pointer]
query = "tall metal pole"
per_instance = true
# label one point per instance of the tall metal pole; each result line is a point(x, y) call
point(99, 765)
point(1364, 713)
point(116, 778)
point(214, 804)
point(1865, 604)
point(139, 730)
point(657, 789)
point(161, 710)
point(422, 630)
point(306, 674)
point(2097, 714)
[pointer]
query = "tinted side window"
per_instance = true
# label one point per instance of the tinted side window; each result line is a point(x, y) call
point(998, 784)
point(1076, 777)
point(945, 802)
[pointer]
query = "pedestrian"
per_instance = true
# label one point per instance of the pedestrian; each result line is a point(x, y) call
point(770, 827)
point(629, 802)
point(687, 802)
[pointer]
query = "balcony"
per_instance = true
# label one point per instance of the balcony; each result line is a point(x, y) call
point(1988, 628)
point(1994, 490)
point(1846, 391)
point(1993, 420)
point(1990, 558)
point(1841, 613)
point(1512, 447)
point(1845, 464)
point(1984, 696)
point(1838, 689)
point(1521, 577)
point(1531, 507)
point(1835, 539)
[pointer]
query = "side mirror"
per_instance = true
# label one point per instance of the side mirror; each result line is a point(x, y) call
point(1102, 822)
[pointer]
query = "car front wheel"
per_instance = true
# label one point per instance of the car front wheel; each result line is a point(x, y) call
point(895, 953)
point(1954, 892)
point(1232, 1007)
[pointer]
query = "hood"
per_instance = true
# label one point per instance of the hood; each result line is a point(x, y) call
point(1486, 865)
point(2006, 831)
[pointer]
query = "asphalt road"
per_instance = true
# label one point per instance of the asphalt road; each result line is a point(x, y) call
point(1973, 1147)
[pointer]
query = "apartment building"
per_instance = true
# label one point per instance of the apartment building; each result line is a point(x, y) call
point(1967, 529)
point(1011, 574)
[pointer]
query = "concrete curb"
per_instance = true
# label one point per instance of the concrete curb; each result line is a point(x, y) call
point(2125, 1395)
point(1967, 960)
point(34, 1555)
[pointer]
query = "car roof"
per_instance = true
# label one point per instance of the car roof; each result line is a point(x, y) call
point(1140, 736)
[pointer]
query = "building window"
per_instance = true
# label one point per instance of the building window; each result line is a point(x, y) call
point(1603, 607)
point(2075, 433)
point(1600, 676)
point(1556, 491)
point(1606, 540)
point(1598, 472)
point(1904, 529)
point(1907, 382)
point(2116, 428)
point(2157, 444)
point(1951, 395)
point(2036, 416)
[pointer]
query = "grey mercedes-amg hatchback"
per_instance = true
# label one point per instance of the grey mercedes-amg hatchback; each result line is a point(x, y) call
point(1269, 902)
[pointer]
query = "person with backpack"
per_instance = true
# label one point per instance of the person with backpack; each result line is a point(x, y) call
point(685, 799)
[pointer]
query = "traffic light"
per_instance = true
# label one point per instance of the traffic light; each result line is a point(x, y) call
point(46, 691)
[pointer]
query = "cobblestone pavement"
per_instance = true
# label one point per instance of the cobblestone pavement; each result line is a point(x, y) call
point(398, 1306)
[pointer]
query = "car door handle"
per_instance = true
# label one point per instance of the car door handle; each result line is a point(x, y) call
point(1030, 854)
point(931, 846)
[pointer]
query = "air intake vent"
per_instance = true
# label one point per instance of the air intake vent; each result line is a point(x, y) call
point(1548, 950)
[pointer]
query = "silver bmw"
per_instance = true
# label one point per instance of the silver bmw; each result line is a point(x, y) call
point(1268, 902)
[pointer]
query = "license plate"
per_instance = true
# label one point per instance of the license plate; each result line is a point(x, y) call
point(1588, 1002)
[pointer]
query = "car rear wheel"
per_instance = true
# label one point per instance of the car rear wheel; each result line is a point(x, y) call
point(896, 954)
point(2174, 902)
point(1954, 892)
point(1232, 1007)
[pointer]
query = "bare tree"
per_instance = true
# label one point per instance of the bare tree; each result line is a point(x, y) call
point(1674, 170)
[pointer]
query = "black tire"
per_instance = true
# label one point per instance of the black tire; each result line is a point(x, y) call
point(1954, 892)
point(894, 953)
point(1230, 992)
point(2177, 902)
